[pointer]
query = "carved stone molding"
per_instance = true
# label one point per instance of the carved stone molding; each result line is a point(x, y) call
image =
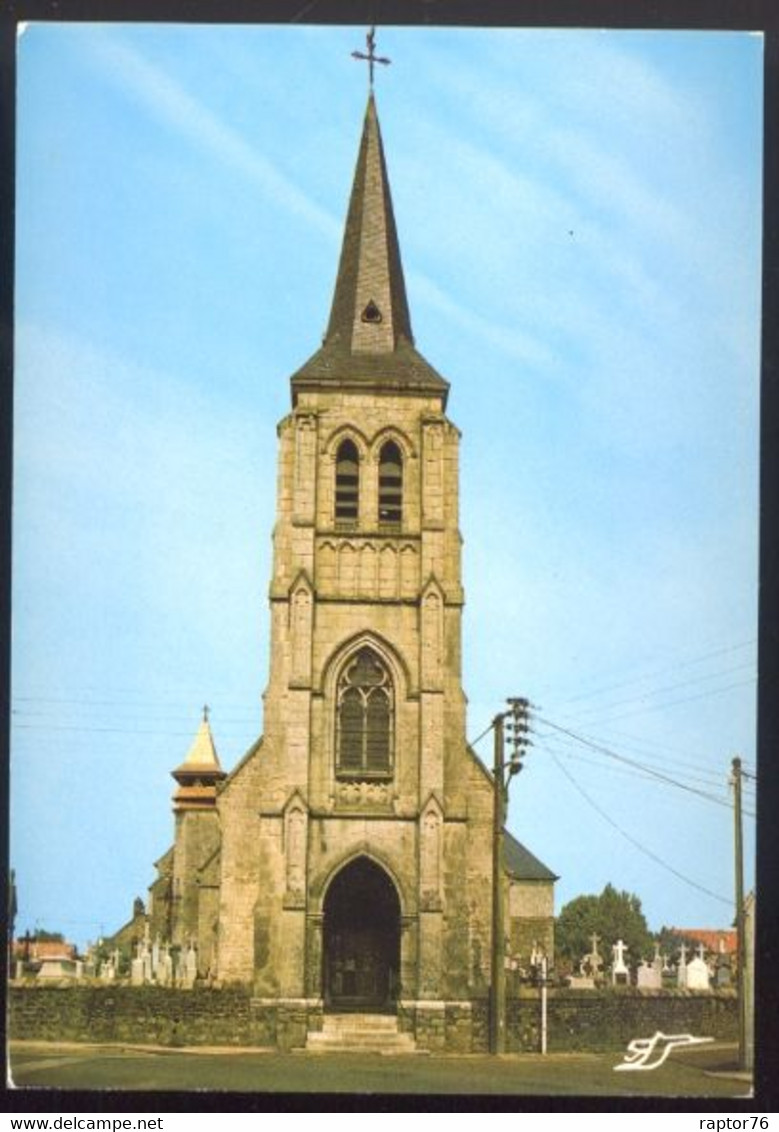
point(362, 793)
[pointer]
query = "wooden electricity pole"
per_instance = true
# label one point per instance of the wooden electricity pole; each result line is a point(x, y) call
point(498, 967)
point(740, 941)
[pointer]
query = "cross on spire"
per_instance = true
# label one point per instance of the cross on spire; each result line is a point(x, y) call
point(206, 710)
point(371, 58)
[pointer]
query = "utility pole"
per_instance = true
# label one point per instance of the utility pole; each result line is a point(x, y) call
point(502, 773)
point(498, 972)
point(740, 941)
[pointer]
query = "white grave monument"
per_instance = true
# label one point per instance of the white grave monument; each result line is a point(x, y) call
point(681, 970)
point(190, 967)
point(165, 972)
point(698, 977)
point(594, 960)
point(619, 971)
point(146, 954)
point(136, 966)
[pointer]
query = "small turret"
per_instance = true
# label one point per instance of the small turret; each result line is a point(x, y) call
point(200, 773)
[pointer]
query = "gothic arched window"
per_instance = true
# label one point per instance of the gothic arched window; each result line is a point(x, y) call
point(347, 483)
point(364, 719)
point(390, 484)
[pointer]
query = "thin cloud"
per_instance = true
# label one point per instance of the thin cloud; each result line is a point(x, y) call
point(508, 340)
point(171, 104)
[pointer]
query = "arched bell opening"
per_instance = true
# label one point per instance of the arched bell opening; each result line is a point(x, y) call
point(361, 940)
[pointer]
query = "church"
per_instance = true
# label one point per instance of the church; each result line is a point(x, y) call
point(345, 863)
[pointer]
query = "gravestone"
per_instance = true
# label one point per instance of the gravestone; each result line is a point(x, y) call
point(649, 976)
point(137, 966)
point(595, 960)
point(620, 975)
point(681, 970)
point(583, 980)
point(722, 970)
point(190, 967)
point(589, 968)
point(698, 972)
point(165, 973)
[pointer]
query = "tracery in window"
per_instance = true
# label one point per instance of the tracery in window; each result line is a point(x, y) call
point(364, 730)
point(390, 485)
point(347, 483)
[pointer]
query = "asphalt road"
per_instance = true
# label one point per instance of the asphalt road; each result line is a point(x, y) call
point(705, 1072)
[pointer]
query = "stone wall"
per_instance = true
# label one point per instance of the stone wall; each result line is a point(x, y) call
point(156, 1015)
point(577, 1020)
point(610, 1018)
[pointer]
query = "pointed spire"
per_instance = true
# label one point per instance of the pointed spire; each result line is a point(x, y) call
point(369, 342)
point(203, 752)
point(200, 771)
point(370, 310)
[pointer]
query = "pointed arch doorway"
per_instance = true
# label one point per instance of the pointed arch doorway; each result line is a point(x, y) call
point(361, 939)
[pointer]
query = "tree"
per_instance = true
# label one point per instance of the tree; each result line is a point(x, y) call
point(42, 936)
point(611, 916)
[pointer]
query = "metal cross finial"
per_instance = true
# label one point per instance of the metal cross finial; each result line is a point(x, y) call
point(206, 710)
point(371, 57)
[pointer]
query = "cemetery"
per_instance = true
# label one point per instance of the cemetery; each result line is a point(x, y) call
point(153, 996)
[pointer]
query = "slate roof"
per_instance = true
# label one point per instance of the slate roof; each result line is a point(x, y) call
point(369, 343)
point(404, 369)
point(520, 862)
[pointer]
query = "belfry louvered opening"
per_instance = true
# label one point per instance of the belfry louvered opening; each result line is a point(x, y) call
point(390, 485)
point(347, 484)
point(364, 721)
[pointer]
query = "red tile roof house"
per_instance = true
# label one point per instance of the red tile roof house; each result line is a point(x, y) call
point(48, 959)
point(719, 941)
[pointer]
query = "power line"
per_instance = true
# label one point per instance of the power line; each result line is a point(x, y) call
point(486, 731)
point(22, 718)
point(182, 704)
point(712, 780)
point(111, 730)
point(652, 692)
point(675, 703)
point(637, 844)
point(592, 762)
point(657, 751)
point(659, 672)
point(631, 762)
point(673, 765)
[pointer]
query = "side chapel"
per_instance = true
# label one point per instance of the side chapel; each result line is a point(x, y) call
point(345, 862)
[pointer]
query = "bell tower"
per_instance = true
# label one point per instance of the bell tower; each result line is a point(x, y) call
point(356, 834)
point(345, 863)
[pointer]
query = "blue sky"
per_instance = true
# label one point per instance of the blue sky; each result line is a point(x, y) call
point(580, 221)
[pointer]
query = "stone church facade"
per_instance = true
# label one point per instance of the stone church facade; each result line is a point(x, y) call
point(345, 862)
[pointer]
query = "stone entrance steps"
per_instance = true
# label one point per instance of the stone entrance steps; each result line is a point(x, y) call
point(360, 1033)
